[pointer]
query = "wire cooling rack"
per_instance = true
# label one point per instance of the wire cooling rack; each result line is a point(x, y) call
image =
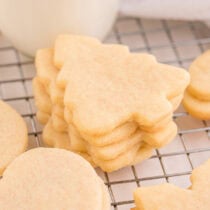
point(173, 42)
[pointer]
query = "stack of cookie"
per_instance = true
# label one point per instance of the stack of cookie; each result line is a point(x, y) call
point(109, 105)
point(197, 97)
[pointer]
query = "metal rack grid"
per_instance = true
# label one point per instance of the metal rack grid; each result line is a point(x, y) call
point(173, 42)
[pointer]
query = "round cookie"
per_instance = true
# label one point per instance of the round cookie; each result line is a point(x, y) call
point(199, 70)
point(197, 108)
point(52, 179)
point(13, 135)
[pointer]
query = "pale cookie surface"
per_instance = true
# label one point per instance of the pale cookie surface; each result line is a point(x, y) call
point(58, 110)
point(197, 108)
point(42, 99)
point(61, 140)
point(46, 71)
point(56, 93)
point(170, 197)
point(55, 139)
point(162, 137)
point(77, 143)
point(52, 179)
point(125, 130)
point(65, 45)
point(117, 135)
point(131, 157)
point(99, 85)
point(200, 77)
point(59, 124)
point(13, 135)
point(42, 117)
point(112, 151)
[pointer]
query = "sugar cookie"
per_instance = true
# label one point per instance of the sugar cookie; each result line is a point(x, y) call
point(169, 197)
point(52, 179)
point(133, 156)
point(197, 97)
point(115, 150)
point(42, 117)
point(55, 139)
point(42, 99)
point(98, 104)
point(155, 140)
point(46, 72)
point(13, 135)
point(77, 143)
point(65, 43)
point(199, 70)
point(197, 108)
point(107, 104)
point(58, 123)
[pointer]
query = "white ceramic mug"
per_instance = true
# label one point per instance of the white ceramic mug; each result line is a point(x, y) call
point(34, 24)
